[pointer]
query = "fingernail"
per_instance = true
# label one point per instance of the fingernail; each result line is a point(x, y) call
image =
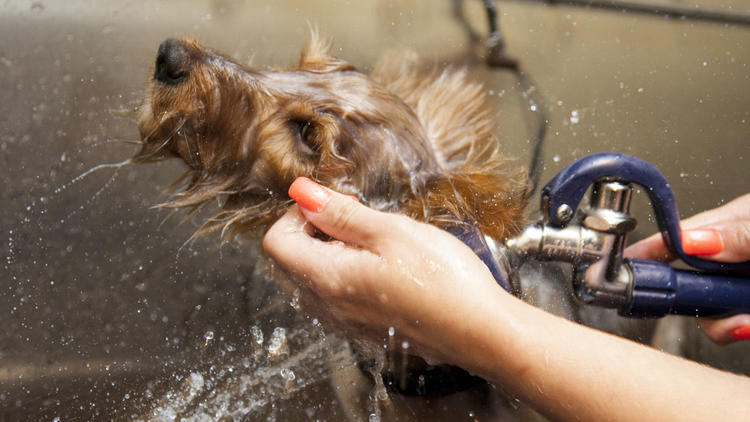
point(308, 194)
point(701, 242)
point(742, 332)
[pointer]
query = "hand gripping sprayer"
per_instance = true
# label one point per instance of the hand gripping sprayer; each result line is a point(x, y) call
point(592, 239)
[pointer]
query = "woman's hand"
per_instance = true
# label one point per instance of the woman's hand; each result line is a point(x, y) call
point(721, 234)
point(381, 271)
point(388, 271)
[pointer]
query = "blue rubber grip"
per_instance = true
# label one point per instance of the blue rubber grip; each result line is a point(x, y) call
point(659, 289)
point(474, 239)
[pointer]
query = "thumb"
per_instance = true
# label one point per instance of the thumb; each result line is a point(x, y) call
point(338, 215)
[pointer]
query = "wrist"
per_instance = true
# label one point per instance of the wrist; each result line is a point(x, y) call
point(479, 337)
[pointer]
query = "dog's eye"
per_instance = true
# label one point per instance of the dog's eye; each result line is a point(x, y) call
point(306, 135)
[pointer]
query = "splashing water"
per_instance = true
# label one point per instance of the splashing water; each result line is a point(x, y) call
point(92, 170)
point(207, 337)
point(105, 186)
point(238, 388)
point(277, 343)
point(376, 356)
point(294, 302)
point(32, 207)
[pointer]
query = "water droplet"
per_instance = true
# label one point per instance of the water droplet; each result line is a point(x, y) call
point(556, 158)
point(287, 374)
point(574, 117)
point(391, 331)
point(257, 334)
point(294, 303)
point(277, 343)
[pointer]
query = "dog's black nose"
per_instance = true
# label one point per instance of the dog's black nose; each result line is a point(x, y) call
point(172, 62)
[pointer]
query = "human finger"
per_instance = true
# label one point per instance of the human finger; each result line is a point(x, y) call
point(338, 215)
point(726, 330)
point(727, 241)
point(317, 263)
point(724, 242)
point(652, 247)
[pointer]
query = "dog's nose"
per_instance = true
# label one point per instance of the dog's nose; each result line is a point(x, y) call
point(172, 62)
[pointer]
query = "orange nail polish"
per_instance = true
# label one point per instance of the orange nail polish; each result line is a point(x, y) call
point(742, 332)
point(702, 242)
point(308, 194)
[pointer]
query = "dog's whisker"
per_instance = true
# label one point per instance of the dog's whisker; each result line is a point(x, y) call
point(171, 135)
point(146, 154)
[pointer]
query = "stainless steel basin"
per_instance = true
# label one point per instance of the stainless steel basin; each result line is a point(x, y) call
point(107, 311)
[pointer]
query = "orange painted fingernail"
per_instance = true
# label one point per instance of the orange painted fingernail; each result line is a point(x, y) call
point(308, 194)
point(742, 332)
point(702, 242)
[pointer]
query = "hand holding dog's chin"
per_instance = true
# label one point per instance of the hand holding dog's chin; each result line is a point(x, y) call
point(389, 271)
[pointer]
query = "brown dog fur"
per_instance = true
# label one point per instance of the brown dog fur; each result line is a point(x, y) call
point(402, 140)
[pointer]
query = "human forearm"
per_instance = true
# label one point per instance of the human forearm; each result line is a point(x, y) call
point(570, 372)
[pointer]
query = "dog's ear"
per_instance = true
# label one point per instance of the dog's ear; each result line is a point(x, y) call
point(490, 195)
point(316, 57)
point(454, 110)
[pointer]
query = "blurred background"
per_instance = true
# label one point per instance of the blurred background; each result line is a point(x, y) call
point(107, 312)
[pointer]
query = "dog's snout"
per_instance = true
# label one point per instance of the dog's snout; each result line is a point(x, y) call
point(172, 62)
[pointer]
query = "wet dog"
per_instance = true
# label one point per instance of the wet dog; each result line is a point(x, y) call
point(401, 139)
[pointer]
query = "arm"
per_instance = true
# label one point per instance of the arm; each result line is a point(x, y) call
point(389, 271)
